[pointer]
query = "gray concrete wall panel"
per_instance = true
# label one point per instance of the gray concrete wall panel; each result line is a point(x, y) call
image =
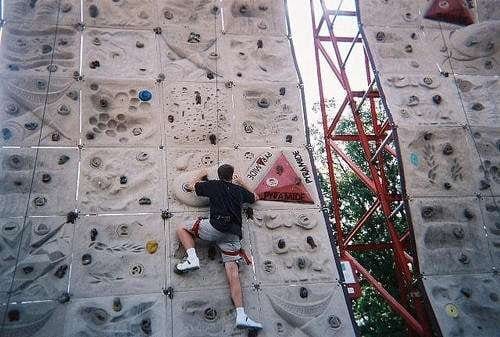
point(450, 236)
point(115, 259)
point(107, 186)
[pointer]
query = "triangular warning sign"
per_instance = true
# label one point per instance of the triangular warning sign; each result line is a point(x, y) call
point(283, 184)
point(452, 11)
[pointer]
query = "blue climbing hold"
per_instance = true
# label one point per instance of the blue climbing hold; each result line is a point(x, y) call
point(145, 95)
point(414, 159)
point(6, 134)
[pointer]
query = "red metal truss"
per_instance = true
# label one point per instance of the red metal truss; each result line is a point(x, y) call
point(375, 144)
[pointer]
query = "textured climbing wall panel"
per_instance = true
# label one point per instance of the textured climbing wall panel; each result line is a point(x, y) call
point(210, 259)
point(491, 217)
point(119, 255)
point(119, 53)
point(55, 167)
point(198, 114)
point(481, 104)
point(108, 110)
point(212, 315)
point(465, 305)
point(267, 116)
point(25, 101)
point(49, 11)
point(43, 266)
point(488, 10)
point(256, 58)
point(107, 184)
point(438, 161)
point(450, 236)
point(107, 316)
point(427, 100)
point(406, 50)
point(120, 14)
point(473, 50)
point(439, 74)
point(488, 169)
point(113, 113)
point(33, 319)
point(254, 17)
point(288, 247)
point(183, 164)
point(295, 310)
point(39, 49)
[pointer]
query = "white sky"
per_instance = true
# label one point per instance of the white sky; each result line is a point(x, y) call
point(300, 19)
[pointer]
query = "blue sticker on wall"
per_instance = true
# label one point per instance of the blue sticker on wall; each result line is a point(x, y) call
point(414, 159)
point(6, 134)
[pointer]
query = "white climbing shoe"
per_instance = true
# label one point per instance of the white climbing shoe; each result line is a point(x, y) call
point(187, 265)
point(246, 322)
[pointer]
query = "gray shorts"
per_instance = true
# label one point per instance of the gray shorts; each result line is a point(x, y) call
point(228, 244)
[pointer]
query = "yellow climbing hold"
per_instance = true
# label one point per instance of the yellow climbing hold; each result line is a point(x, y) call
point(152, 246)
point(451, 310)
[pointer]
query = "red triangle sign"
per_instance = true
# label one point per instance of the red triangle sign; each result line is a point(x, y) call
point(283, 184)
point(452, 11)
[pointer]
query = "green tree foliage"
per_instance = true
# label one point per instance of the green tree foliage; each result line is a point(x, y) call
point(373, 315)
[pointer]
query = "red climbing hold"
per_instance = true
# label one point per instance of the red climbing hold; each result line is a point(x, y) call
point(451, 11)
point(283, 184)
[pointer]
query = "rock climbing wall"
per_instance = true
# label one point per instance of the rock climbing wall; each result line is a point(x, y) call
point(438, 64)
point(107, 109)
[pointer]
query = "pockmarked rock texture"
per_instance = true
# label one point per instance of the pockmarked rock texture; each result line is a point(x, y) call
point(437, 64)
point(108, 110)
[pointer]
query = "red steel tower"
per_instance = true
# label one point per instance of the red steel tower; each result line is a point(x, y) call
point(377, 138)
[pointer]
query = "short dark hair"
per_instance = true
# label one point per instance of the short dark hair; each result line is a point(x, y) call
point(225, 172)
